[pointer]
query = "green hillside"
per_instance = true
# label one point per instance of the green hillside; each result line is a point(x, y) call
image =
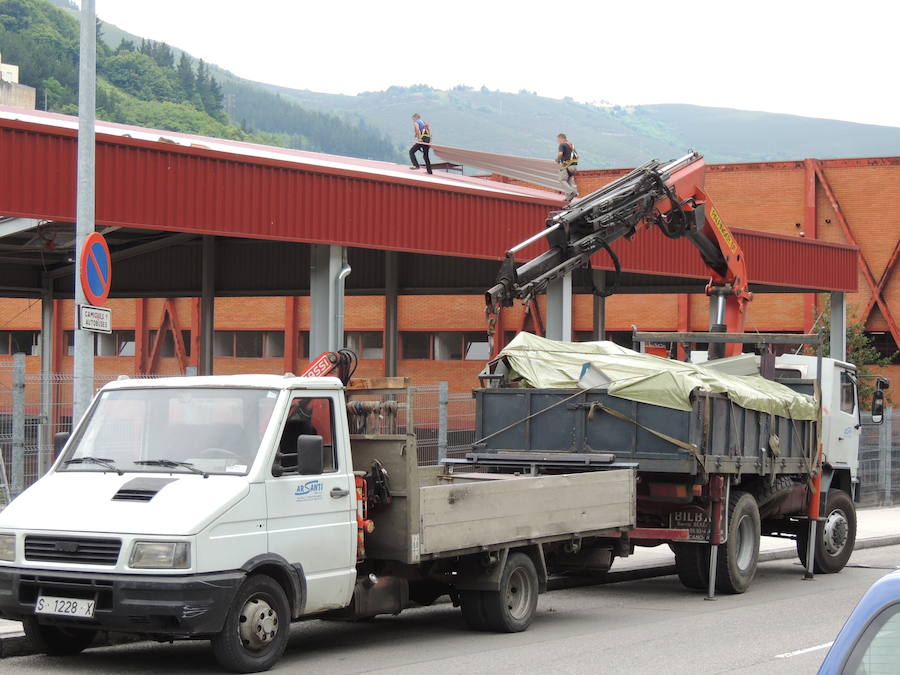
point(606, 136)
point(152, 84)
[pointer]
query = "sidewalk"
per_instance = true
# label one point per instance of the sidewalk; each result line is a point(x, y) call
point(875, 527)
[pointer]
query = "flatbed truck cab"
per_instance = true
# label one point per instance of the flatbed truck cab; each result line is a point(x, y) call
point(224, 508)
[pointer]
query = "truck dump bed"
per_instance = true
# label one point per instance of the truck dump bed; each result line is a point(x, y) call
point(436, 514)
point(717, 434)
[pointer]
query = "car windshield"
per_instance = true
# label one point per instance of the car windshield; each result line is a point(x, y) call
point(175, 430)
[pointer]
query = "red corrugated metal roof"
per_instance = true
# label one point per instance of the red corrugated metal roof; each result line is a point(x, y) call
point(161, 180)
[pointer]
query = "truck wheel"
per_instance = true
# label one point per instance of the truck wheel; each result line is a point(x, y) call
point(473, 609)
point(692, 565)
point(256, 628)
point(739, 555)
point(835, 535)
point(771, 495)
point(57, 641)
point(511, 609)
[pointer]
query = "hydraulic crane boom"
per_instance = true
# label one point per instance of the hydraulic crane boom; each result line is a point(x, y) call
point(668, 195)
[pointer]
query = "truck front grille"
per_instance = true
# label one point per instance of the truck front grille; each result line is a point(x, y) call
point(73, 549)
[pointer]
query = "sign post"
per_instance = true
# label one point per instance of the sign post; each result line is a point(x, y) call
point(83, 370)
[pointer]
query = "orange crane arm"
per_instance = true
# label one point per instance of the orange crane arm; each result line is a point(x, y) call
point(667, 195)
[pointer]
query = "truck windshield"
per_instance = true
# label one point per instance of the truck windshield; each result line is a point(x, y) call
point(175, 430)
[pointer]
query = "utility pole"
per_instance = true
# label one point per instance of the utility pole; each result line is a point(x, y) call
point(83, 385)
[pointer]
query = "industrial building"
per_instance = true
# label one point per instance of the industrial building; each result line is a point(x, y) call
point(439, 238)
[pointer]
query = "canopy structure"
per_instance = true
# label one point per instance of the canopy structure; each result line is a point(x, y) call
point(624, 373)
point(191, 216)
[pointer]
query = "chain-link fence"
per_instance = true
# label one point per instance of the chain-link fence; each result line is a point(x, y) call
point(879, 461)
point(444, 423)
point(34, 407)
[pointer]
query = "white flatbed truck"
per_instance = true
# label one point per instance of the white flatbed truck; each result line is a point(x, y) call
point(224, 508)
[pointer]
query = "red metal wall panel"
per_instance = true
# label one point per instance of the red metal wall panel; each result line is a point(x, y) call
point(153, 185)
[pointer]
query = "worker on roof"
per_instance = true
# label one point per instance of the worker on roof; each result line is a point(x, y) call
point(423, 139)
point(567, 158)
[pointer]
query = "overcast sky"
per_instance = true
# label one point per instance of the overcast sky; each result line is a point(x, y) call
point(828, 58)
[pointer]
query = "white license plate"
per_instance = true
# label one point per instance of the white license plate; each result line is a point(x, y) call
point(47, 604)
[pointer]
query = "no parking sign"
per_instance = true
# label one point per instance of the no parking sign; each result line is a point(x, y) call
point(95, 269)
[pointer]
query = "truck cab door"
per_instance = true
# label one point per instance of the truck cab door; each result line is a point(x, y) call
point(312, 518)
point(842, 428)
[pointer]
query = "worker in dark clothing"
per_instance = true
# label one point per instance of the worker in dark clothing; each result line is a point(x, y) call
point(567, 158)
point(423, 138)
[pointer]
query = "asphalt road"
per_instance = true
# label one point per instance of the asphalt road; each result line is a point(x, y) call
point(647, 626)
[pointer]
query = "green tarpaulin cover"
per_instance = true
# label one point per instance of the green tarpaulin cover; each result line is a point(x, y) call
point(543, 363)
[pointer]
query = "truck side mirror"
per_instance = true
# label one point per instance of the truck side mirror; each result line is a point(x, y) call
point(877, 406)
point(59, 442)
point(309, 455)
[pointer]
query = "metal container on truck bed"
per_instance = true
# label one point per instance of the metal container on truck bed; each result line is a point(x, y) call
point(436, 514)
point(716, 433)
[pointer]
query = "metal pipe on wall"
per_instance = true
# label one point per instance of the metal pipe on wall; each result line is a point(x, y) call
point(207, 304)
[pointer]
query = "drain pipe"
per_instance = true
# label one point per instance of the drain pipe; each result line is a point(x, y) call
point(339, 298)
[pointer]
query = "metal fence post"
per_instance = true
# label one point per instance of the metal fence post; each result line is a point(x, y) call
point(18, 424)
point(443, 403)
point(885, 441)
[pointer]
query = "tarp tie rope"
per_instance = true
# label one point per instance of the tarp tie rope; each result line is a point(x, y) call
point(690, 447)
point(531, 416)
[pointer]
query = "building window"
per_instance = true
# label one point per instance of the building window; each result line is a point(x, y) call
point(445, 346)
point(117, 343)
point(248, 344)
point(366, 344)
point(884, 343)
point(26, 341)
point(476, 347)
point(167, 348)
point(303, 344)
point(415, 345)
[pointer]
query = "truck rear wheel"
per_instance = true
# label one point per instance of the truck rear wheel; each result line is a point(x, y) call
point(473, 609)
point(835, 535)
point(739, 555)
point(511, 609)
point(692, 565)
point(256, 629)
point(55, 640)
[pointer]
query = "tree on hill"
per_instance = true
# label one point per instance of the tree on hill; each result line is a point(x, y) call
point(186, 76)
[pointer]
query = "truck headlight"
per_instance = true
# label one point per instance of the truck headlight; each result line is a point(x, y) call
point(8, 547)
point(160, 555)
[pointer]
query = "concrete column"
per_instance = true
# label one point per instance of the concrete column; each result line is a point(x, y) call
point(207, 304)
point(327, 270)
point(838, 347)
point(45, 444)
point(599, 277)
point(559, 309)
point(391, 332)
